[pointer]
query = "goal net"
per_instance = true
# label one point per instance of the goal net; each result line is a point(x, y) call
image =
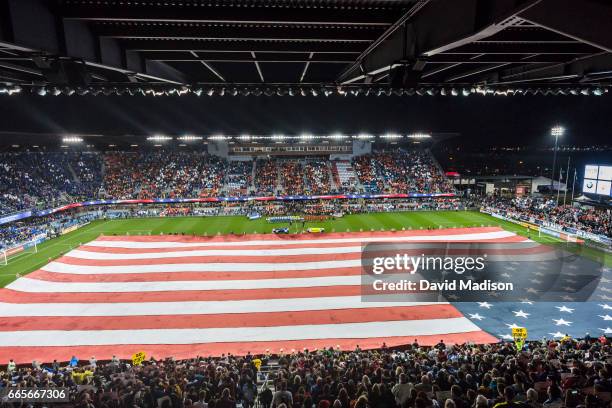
point(6, 254)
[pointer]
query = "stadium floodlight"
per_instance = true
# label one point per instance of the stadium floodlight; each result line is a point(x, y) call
point(337, 136)
point(391, 136)
point(10, 90)
point(159, 138)
point(419, 136)
point(364, 136)
point(278, 137)
point(133, 145)
point(244, 137)
point(72, 139)
point(189, 138)
point(306, 136)
point(217, 137)
point(557, 131)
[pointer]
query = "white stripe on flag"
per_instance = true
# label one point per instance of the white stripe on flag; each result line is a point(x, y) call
point(41, 286)
point(242, 334)
point(199, 267)
point(227, 252)
point(493, 235)
point(195, 307)
point(93, 254)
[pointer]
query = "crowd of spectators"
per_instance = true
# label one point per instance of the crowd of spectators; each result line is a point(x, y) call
point(400, 172)
point(292, 177)
point(31, 179)
point(239, 178)
point(317, 177)
point(162, 174)
point(20, 232)
point(545, 374)
point(49, 179)
point(266, 176)
point(588, 219)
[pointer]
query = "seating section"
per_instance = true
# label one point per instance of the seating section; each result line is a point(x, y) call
point(317, 177)
point(400, 172)
point(292, 177)
point(594, 220)
point(344, 175)
point(42, 180)
point(266, 176)
point(445, 375)
point(239, 178)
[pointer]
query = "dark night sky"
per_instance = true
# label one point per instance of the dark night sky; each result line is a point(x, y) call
point(480, 120)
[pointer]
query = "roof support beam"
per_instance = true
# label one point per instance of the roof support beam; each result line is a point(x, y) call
point(210, 68)
point(381, 39)
point(579, 67)
point(240, 46)
point(464, 22)
point(476, 72)
point(196, 13)
point(306, 66)
point(587, 21)
point(171, 31)
point(258, 67)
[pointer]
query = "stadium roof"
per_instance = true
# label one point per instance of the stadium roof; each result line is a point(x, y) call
point(558, 45)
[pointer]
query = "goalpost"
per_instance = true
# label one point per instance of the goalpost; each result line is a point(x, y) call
point(30, 247)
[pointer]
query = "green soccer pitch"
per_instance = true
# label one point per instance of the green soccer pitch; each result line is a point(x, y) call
point(24, 263)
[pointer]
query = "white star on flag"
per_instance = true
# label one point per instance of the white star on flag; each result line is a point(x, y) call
point(605, 280)
point(512, 326)
point(485, 304)
point(557, 334)
point(607, 307)
point(532, 290)
point(536, 281)
point(570, 280)
point(526, 300)
point(538, 273)
point(561, 322)
point(476, 316)
point(606, 317)
point(565, 309)
point(506, 275)
point(607, 330)
point(520, 313)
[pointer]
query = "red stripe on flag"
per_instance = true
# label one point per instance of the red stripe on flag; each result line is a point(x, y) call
point(190, 276)
point(25, 355)
point(13, 296)
point(224, 320)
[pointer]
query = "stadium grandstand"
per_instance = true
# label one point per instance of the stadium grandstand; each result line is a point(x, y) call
point(305, 204)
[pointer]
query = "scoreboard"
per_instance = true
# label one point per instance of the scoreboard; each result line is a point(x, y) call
point(597, 180)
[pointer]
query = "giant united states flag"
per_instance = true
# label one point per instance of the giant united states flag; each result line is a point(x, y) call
point(184, 296)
